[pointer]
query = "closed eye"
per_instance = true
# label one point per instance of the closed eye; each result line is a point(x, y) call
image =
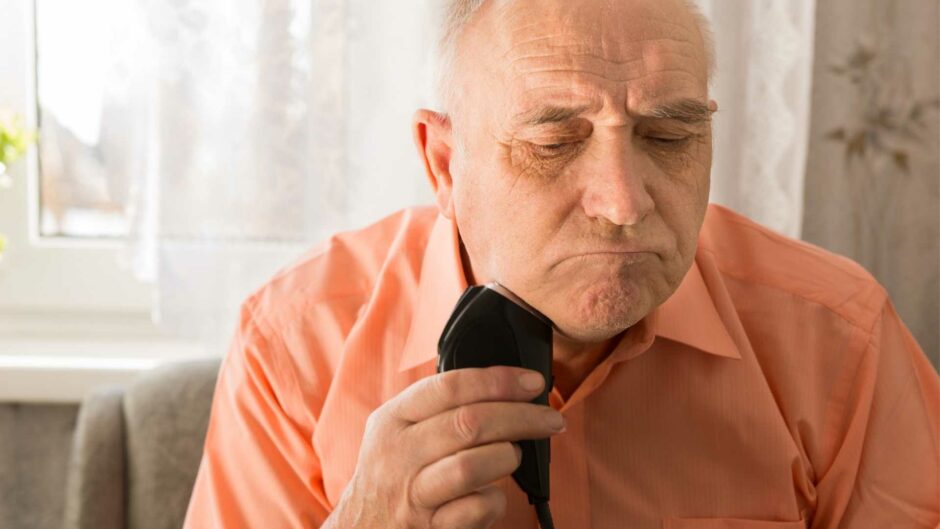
point(552, 149)
point(669, 141)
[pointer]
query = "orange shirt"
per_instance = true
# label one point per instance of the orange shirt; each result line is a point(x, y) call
point(776, 389)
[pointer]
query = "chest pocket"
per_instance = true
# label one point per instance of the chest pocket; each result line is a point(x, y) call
point(729, 523)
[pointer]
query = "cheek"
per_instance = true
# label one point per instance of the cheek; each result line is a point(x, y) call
point(681, 201)
point(514, 213)
point(492, 222)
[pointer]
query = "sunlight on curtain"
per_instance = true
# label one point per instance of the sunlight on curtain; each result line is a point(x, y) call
point(269, 126)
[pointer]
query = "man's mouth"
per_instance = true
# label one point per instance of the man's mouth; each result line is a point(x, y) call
point(612, 255)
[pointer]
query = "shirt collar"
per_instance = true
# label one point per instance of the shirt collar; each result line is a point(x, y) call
point(689, 316)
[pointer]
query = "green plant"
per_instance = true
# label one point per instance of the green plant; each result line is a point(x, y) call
point(15, 140)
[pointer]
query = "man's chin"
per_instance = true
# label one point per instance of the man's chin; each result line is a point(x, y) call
point(583, 335)
point(599, 313)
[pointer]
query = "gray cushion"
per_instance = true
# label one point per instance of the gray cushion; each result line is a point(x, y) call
point(95, 485)
point(166, 413)
point(35, 441)
point(136, 451)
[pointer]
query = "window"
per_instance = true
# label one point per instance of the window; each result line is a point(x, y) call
point(61, 273)
point(82, 80)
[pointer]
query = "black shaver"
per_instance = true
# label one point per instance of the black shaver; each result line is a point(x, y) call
point(492, 326)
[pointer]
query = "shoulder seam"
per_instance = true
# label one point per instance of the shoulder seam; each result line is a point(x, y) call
point(724, 272)
point(779, 238)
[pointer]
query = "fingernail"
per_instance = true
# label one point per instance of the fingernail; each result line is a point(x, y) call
point(531, 381)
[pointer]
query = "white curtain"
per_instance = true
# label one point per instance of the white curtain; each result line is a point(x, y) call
point(763, 86)
point(263, 126)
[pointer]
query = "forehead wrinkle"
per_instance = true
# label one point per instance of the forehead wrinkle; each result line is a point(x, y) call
point(582, 31)
point(533, 55)
point(617, 65)
point(649, 22)
point(647, 63)
point(529, 73)
point(623, 51)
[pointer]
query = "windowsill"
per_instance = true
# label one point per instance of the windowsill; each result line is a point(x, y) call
point(64, 371)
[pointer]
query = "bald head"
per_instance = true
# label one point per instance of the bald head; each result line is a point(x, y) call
point(455, 16)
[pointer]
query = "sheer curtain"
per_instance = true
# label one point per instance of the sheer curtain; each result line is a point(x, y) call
point(263, 126)
point(763, 87)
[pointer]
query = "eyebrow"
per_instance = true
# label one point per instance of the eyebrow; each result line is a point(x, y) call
point(688, 111)
point(549, 114)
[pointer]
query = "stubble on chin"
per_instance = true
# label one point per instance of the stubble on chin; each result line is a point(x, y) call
point(600, 311)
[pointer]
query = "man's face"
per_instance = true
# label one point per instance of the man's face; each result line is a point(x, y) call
point(582, 175)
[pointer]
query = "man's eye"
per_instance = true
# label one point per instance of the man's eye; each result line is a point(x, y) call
point(668, 141)
point(552, 149)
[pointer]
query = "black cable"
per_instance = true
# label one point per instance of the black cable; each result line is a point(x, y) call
point(544, 515)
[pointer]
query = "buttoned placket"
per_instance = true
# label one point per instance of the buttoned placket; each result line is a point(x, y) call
point(571, 503)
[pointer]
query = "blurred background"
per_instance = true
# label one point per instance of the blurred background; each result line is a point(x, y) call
point(188, 149)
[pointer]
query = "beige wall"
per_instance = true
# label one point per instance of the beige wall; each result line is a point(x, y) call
point(873, 172)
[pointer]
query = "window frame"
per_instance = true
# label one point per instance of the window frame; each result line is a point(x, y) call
point(48, 284)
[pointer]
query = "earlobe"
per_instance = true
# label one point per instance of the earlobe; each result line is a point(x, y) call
point(432, 137)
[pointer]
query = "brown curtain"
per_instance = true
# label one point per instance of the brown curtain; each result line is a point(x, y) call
point(873, 168)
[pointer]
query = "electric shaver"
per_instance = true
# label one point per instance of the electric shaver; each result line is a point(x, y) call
point(492, 326)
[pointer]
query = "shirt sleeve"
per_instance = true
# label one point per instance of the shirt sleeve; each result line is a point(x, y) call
point(885, 471)
point(258, 468)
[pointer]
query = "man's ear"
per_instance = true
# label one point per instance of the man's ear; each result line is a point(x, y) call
point(433, 137)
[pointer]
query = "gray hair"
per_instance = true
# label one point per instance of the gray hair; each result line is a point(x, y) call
point(454, 16)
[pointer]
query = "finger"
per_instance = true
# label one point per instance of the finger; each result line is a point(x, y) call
point(477, 510)
point(462, 473)
point(435, 394)
point(476, 424)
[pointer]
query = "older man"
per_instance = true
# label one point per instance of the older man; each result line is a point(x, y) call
point(711, 373)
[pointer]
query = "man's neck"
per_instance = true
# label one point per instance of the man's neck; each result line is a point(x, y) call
point(573, 361)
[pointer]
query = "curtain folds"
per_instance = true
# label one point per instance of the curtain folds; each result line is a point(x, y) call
point(763, 83)
point(263, 126)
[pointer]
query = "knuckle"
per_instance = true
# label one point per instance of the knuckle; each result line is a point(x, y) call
point(467, 425)
point(510, 448)
point(445, 385)
point(495, 382)
point(463, 469)
point(437, 522)
point(374, 420)
point(408, 513)
point(409, 517)
point(415, 495)
point(498, 503)
point(491, 505)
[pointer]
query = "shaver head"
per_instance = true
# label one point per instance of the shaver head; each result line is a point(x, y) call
point(492, 326)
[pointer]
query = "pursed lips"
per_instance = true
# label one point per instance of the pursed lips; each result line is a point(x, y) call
point(622, 256)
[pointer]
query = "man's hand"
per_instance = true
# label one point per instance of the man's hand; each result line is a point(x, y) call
point(430, 456)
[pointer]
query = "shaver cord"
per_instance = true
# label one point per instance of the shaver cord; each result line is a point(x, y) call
point(544, 515)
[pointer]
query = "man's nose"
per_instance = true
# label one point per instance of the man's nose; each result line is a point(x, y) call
point(615, 190)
